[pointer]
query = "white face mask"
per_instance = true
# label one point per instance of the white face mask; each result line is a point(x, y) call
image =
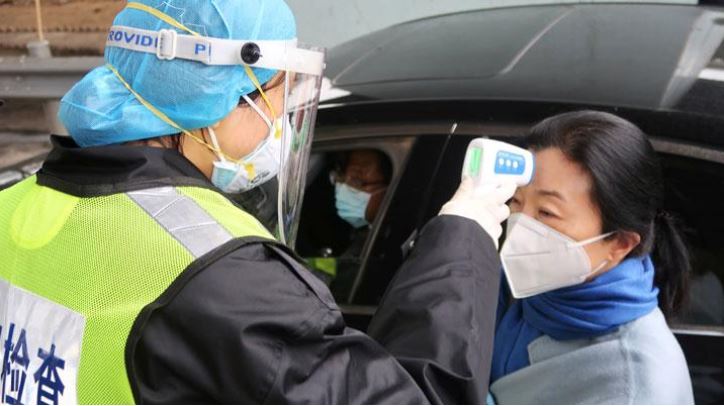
point(259, 166)
point(537, 259)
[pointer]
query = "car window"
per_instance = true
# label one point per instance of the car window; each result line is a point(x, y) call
point(415, 197)
point(692, 193)
point(346, 195)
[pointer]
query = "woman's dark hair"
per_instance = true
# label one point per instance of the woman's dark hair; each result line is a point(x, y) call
point(628, 189)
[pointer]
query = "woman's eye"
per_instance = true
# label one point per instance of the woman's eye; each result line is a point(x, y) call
point(515, 201)
point(546, 214)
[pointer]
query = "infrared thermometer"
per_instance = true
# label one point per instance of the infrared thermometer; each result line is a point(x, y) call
point(494, 162)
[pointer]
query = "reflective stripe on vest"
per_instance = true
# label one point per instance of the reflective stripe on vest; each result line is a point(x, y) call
point(76, 272)
point(182, 218)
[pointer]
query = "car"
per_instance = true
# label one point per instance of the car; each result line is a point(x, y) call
point(496, 72)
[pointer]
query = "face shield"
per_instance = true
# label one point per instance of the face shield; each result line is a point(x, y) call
point(285, 151)
point(300, 114)
point(292, 131)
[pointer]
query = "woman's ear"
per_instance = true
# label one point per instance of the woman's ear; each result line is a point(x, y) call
point(622, 244)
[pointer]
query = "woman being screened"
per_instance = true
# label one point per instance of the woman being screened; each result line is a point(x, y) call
point(597, 266)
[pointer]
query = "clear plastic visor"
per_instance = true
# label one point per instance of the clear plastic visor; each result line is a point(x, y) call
point(300, 110)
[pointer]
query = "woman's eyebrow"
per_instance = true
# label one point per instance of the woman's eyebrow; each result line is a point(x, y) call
point(551, 193)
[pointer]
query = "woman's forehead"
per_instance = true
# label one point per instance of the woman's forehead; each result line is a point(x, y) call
point(554, 172)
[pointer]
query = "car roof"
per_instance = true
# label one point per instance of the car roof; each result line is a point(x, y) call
point(651, 56)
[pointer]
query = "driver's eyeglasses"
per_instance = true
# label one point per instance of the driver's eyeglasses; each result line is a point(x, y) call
point(338, 177)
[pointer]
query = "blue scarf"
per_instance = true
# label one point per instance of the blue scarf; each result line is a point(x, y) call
point(592, 309)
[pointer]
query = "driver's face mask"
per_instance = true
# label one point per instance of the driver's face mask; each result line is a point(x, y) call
point(351, 204)
point(257, 167)
point(537, 258)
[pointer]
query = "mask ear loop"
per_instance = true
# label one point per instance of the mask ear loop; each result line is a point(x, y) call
point(215, 143)
point(248, 166)
point(257, 85)
point(592, 240)
point(598, 268)
point(258, 110)
point(163, 117)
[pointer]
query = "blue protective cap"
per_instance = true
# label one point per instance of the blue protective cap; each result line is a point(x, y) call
point(99, 110)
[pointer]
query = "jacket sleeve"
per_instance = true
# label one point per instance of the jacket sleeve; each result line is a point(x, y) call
point(438, 315)
point(249, 324)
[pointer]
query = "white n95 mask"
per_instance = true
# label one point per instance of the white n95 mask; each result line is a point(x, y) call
point(537, 259)
point(259, 166)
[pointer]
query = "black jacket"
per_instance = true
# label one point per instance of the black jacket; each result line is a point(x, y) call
point(248, 323)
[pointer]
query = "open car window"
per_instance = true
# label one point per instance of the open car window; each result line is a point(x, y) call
point(404, 215)
point(348, 191)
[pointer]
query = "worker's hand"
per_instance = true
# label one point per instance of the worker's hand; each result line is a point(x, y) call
point(484, 205)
